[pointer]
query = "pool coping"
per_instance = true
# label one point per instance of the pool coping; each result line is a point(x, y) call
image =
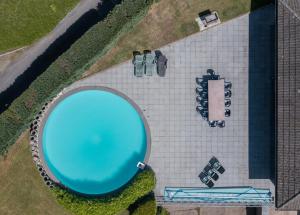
point(62, 96)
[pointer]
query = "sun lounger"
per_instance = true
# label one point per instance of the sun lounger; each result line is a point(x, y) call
point(210, 172)
point(150, 63)
point(216, 165)
point(206, 179)
point(138, 62)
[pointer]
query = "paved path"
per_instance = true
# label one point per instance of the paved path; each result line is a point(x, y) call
point(25, 60)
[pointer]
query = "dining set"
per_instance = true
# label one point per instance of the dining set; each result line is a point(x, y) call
point(213, 99)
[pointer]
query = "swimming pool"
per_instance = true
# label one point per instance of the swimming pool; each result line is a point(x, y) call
point(92, 140)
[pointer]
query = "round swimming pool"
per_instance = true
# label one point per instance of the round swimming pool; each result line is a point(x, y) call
point(92, 140)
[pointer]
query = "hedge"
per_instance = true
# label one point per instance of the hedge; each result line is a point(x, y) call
point(69, 67)
point(145, 206)
point(162, 211)
point(141, 185)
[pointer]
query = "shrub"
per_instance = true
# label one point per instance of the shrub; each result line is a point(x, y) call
point(141, 185)
point(69, 67)
point(162, 211)
point(144, 206)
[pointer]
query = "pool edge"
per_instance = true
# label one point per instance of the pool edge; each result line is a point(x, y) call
point(62, 96)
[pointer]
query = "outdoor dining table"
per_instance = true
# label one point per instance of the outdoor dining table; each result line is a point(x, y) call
point(216, 98)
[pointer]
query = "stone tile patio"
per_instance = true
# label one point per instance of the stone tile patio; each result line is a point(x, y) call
point(182, 142)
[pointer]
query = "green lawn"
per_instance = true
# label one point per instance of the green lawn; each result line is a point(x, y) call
point(22, 189)
point(168, 21)
point(24, 21)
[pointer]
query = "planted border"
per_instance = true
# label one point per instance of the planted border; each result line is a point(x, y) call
point(69, 67)
point(141, 185)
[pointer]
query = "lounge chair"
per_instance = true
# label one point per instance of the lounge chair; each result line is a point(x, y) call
point(210, 172)
point(150, 63)
point(206, 179)
point(138, 62)
point(161, 65)
point(215, 164)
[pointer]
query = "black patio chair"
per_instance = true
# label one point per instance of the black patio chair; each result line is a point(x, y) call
point(227, 103)
point(221, 124)
point(227, 113)
point(203, 112)
point(203, 95)
point(215, 164)
point(199, 80)
point(212, 124)
point(228, 85)
point(211, 172)
point(228, 94)
point(202, 102)
point(206, 180)
point(200, 91)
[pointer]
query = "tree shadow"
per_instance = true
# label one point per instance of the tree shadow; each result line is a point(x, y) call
point(57, 48)
point(262, 91)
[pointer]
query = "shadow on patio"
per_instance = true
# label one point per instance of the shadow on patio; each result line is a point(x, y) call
point(261, 93)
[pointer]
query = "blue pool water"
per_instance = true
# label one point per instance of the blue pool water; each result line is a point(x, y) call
point(92, 141)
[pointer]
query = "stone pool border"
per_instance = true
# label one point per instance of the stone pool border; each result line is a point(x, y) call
point(62, 96)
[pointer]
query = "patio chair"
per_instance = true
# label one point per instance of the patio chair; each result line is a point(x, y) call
point(212, 124)
point(199, 90)
point(228, 94)
point(199, 80)
point(228, 85)
point(210, 172)
point(227, 103)
point(215, 164)
point(202, 102)
point(150, 63)
point(206, 180)
point(138, 62)
point(221, 124)
point(227, 113)
point(203, 95)
point(203, 112)
point(204, 85)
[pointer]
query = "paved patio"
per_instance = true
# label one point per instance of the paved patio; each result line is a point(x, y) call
point(182, 142)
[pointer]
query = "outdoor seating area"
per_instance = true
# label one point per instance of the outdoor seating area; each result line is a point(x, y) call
point(210, 172)
point(182, 140)
point(149, 63)
point(213, 98)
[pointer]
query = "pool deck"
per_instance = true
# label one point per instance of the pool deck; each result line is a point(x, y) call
point(182, 142)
